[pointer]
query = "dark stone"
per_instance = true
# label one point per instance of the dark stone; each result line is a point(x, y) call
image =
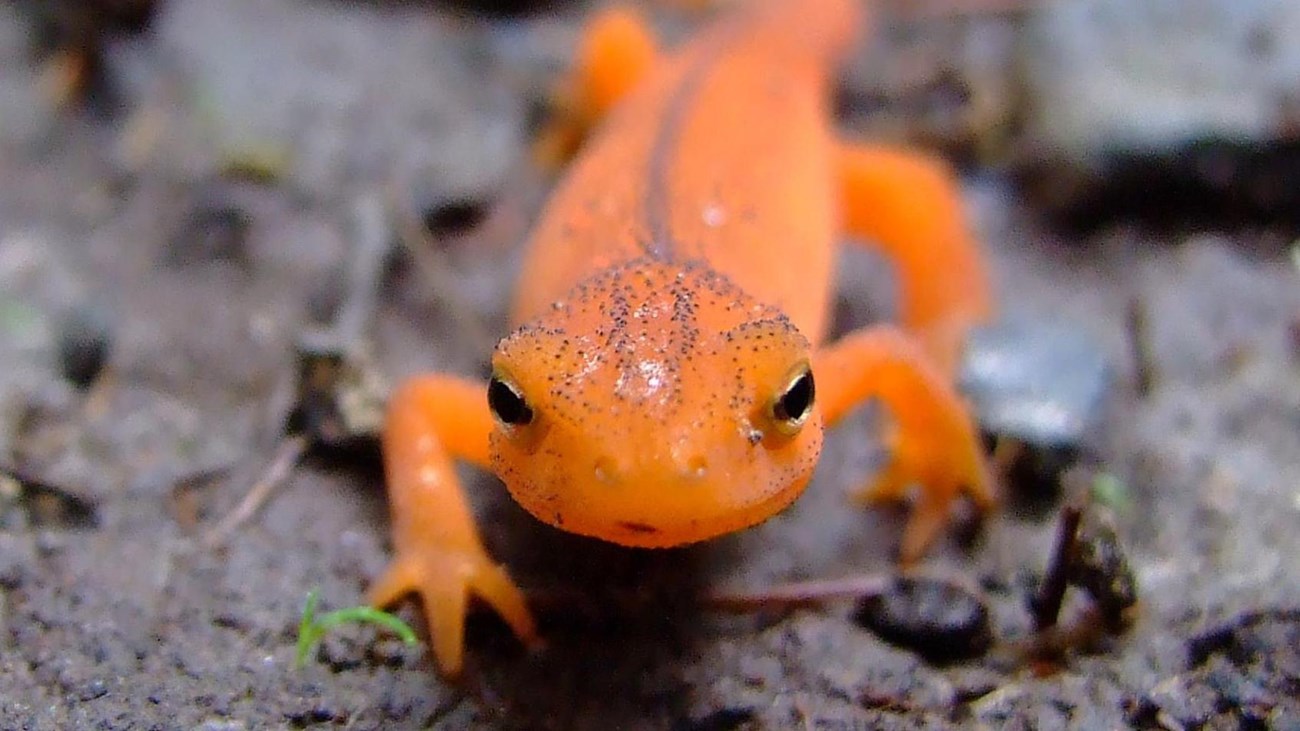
point(216, 225)
point(938, 620)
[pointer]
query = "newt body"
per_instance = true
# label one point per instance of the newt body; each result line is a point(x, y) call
point(667, 379)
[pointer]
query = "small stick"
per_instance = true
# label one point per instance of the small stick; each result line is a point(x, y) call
point(340, 394)
point(65, 505)
point(1046, 604)
point(1137, 322)
point(941, 9)
point(286, 458)
point(796, 594)
point(781, 596)
point(371, 246)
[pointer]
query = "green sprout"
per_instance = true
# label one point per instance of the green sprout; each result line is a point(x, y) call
point(312, 628)
point(1109, 490)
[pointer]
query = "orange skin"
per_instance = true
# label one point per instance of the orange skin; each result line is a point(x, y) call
point(674, 292)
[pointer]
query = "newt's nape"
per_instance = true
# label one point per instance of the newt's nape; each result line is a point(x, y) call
point(667, 380)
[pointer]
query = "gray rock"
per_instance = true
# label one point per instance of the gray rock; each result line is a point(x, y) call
point(341, 94)
point(1107, 76)
point(1044, 384)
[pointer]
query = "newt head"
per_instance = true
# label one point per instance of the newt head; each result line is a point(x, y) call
point(657, 405)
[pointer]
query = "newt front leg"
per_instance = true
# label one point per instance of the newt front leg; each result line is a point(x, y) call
point(934, 444)
point(431, 421)
point(909, 205)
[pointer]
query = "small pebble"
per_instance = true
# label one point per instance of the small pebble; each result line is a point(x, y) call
point(972, 683)
point(85, 339)
point(221, 724)
point(93, 689)
point(340, 396)
point(216, 227)
point(1235, 688)
point(454, 216)
point(938, 620)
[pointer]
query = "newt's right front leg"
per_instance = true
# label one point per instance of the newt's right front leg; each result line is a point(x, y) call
point(431, 420)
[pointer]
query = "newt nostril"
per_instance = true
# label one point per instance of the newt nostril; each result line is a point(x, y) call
point(697, 466)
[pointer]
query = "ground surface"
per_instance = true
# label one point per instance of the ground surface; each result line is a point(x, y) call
point(120, 619)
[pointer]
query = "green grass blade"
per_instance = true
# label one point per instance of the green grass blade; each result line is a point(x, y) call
point(311, 628)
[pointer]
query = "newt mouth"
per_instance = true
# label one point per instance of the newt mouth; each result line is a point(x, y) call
point(637, 527)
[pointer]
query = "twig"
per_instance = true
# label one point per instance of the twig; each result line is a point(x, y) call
point(286, 458)
point(370, 249)
point(797, 594)
point(922, 10)
point(45, 502)
point(340, 393)
point(781, 596)
point(1046, 604)
point(1137, 325)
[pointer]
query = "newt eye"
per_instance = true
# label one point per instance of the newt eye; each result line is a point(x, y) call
point(507, 404)
point(793, 405)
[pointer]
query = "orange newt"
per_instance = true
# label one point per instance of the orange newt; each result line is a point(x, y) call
point(659, 386)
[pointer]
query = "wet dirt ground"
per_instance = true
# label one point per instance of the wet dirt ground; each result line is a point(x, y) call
point(116, 615)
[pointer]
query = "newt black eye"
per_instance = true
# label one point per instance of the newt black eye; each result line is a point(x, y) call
point(507, 404)
point(792, 407)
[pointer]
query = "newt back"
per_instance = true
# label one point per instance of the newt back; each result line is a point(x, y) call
point(723, 156)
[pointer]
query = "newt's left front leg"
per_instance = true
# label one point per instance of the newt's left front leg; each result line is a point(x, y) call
point(934, 445)
point(909, 205)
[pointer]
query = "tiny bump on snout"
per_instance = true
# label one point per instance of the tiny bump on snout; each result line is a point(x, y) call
point(605, 471)
point(697, 467)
